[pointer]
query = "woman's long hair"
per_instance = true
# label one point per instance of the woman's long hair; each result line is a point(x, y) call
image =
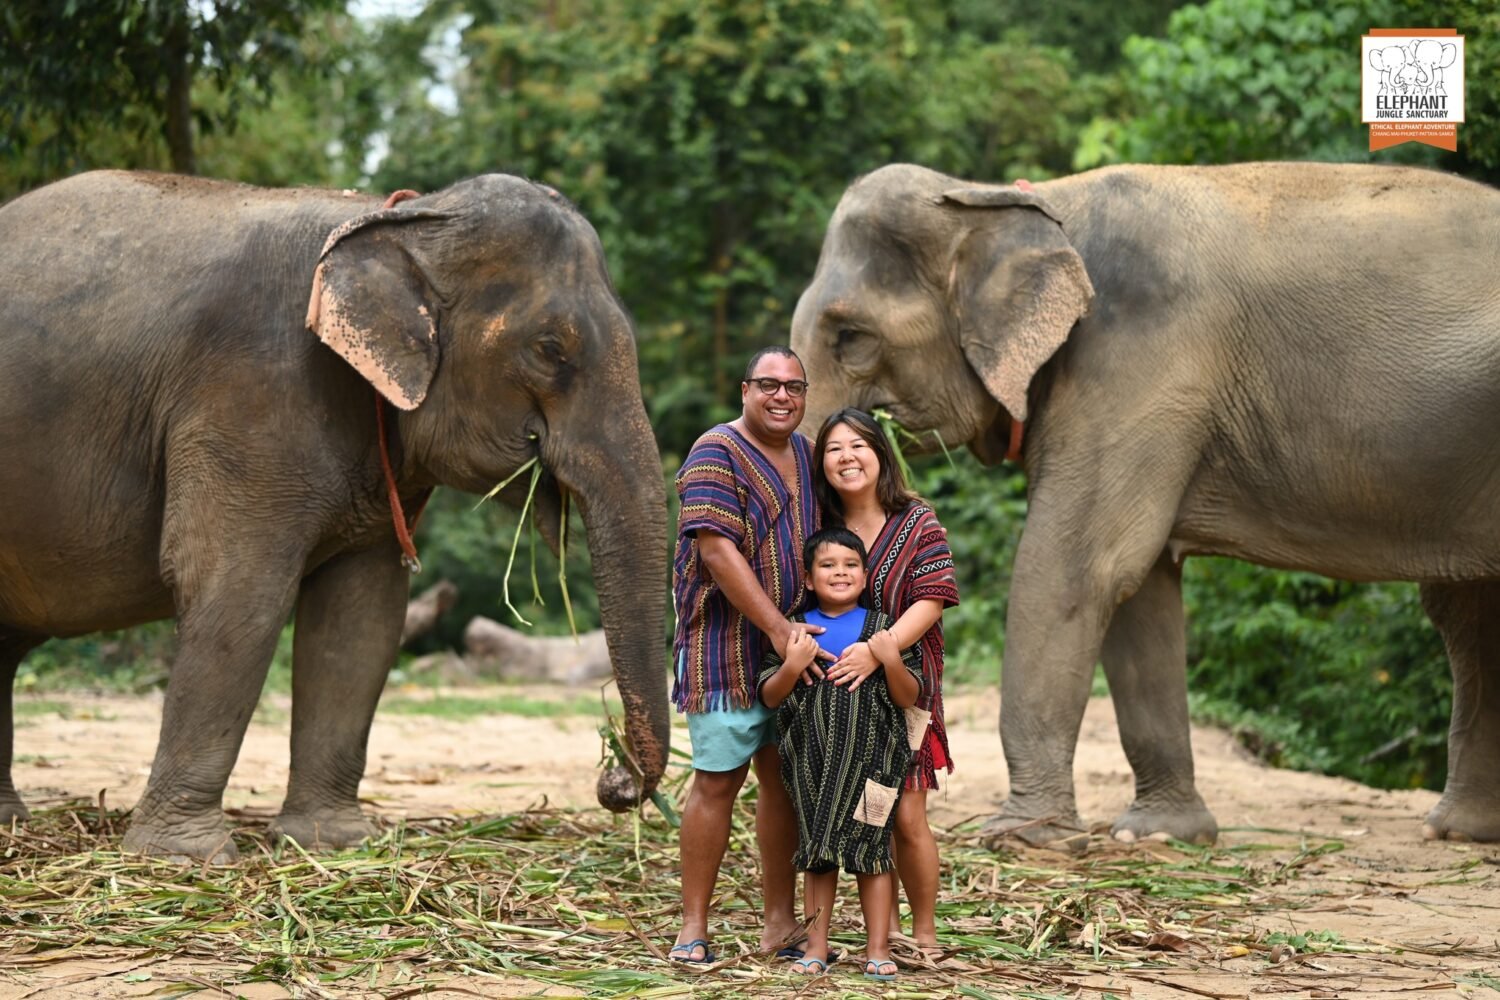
point(891, 490)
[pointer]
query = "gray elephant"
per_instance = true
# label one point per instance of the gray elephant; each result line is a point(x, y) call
point(174, 441)
point(1389, 61)
point(1206, 360)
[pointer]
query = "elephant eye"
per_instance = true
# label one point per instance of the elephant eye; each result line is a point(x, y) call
point(853, 346)
point(551, 351)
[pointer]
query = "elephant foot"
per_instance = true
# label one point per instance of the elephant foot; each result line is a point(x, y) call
point(1058, 831)
point(188, 840)
point(1188, 821)
point(1463, 819)
point(327, 830)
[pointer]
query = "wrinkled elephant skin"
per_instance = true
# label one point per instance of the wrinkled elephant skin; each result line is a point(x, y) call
point(188, 427)
point(1207, 361)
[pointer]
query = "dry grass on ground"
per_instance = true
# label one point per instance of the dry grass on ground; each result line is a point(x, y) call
point(1338, 899)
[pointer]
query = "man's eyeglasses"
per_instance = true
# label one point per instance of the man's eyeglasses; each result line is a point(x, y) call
point(795, 387)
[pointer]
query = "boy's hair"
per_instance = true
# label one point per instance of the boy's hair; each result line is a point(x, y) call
point(831, 536)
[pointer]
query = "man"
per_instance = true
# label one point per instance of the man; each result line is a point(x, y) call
point(747, 507)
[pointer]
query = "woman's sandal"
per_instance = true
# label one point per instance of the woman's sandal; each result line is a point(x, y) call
point(683, 953)
point(874, 965)
point(810, 967)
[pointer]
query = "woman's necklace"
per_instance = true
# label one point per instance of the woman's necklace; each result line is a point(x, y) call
point(870, 526)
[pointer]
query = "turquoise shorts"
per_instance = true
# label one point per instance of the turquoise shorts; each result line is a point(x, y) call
point(726, 739)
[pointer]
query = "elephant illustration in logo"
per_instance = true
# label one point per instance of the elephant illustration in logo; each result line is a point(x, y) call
point(1390, 61)
point(1423, 72)
point(1414, 68)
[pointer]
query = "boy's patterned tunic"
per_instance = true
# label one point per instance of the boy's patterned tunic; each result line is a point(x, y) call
point(844, 758)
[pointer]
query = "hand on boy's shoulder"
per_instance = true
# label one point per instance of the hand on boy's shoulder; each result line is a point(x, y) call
point(781, 640)
point(805, 628)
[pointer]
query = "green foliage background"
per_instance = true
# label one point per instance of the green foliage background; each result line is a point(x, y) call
point(708, 143)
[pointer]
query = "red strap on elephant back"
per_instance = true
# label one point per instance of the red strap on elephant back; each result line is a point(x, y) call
point(398, 517)
point(1017, 427)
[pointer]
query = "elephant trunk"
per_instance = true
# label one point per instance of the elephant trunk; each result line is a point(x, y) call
point(622, 498)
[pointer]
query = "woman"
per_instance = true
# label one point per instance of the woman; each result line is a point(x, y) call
point(910, 578)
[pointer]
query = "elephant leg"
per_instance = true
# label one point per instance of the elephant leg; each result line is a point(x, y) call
point(1090, 541)
point(13, 650)
point(349, 619)
point(1468, 616)
point(232, 602)
point(1145, 659)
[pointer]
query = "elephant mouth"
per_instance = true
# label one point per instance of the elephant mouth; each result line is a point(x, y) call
point(542, 499)
point(908, 438)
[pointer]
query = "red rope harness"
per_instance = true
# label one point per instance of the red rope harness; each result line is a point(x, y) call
point(398, 517)
point(404, 527)
point(1017, 427)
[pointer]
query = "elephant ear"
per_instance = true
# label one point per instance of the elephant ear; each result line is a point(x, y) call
point(1018, 287)
point(371, 304)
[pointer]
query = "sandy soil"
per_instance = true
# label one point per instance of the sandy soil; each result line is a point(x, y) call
point(1387, 889)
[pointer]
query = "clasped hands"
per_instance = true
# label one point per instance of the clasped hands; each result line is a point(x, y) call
point(852, 666)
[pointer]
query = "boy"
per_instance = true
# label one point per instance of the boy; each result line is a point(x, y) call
point(844, 754)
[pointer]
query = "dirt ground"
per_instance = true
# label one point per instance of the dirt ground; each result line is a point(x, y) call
point(1428, 912)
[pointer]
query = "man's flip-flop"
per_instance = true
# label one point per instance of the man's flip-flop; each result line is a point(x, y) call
point(874, 965)
point(810, 966)
point(684, 953)
point(791, 951)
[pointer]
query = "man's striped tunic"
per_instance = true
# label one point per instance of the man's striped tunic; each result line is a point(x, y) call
point(728, 487)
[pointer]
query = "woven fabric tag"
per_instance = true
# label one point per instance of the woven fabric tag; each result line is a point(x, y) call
point(875, 804)
point(916, 726)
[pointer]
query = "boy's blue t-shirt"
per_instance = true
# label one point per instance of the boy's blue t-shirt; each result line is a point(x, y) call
point(841, 630)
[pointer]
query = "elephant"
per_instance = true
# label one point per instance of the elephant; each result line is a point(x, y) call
point(1424, 72)
point(177, 443)
point(1188, 360)
point(1390, 60)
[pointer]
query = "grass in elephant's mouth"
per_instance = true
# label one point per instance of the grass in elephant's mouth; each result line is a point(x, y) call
point(588, 901)
point(535, 465)
point(895, 434)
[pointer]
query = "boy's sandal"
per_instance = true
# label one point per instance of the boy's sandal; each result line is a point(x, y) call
point(874, 965)
point(684, 953)
point(810, 967)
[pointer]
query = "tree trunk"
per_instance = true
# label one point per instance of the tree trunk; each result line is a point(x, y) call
point(179, 123)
